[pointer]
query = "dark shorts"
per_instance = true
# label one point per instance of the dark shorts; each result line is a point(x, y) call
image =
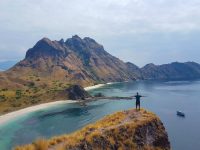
point(137, 103)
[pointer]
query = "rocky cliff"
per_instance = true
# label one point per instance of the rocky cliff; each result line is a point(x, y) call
point(74, 92)
point(127, 130)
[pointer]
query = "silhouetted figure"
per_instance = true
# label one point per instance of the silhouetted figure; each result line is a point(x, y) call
point(137, 97)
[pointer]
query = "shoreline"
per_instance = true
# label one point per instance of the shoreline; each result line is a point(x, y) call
point(5, 118)
point(99, 85)
point(16, 114)
point(94, 87)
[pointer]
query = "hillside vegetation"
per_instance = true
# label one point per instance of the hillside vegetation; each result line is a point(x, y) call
point(11, 100)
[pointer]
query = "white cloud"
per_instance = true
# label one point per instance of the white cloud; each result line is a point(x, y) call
point(134, 15)
point(23, 22)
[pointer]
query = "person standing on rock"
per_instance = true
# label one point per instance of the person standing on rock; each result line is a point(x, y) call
point(137, 97)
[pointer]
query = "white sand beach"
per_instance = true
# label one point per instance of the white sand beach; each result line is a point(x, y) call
point(13, 115)
point(94, 87)
point(109, 83)
point(99, 85)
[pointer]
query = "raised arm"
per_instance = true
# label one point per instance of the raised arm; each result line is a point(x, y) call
point(143, 96)
point(132, 96)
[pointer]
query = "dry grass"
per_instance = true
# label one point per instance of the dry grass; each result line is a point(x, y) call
point(40, 144)
point(27, 147)
point(108, 129)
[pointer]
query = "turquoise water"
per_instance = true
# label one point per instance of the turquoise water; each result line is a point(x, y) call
point(164, 98)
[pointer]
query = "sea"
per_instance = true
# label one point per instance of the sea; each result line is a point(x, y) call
point(164, 98)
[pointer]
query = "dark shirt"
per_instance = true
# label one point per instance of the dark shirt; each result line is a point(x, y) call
point(137, 98)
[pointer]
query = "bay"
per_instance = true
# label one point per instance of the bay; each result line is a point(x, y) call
point(163, 98)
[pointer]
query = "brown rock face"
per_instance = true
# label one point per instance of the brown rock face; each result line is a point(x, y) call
point(75, 92)
point(152, 134)
point(136, 131)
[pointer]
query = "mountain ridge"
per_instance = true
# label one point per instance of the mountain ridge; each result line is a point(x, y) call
point(84, 61)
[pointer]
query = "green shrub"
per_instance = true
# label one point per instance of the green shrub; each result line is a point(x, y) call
point(18, 94)
point(2, 97)
point(31, 84)
point(5, 89)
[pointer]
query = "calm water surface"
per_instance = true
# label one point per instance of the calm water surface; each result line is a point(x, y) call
point(164, 98)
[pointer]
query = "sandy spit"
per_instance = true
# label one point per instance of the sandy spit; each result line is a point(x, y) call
point(13, 115)
point(94, 87)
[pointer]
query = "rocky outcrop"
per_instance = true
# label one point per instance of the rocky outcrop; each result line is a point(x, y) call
point(127, 130)
point(75, 92)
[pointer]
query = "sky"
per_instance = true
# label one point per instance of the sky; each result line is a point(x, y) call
point(139, 31)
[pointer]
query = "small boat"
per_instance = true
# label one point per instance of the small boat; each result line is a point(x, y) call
point(181, 114)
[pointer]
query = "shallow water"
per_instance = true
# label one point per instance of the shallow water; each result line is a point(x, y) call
point(164, 98)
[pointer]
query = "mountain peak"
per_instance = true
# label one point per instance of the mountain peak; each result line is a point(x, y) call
point(76, 36)
point(150, 65)
point(85, 40)
point(44, 39)
point(61, 41)
point(88, 39)
point(74, 41)
point(45, 48)
point(131, 65)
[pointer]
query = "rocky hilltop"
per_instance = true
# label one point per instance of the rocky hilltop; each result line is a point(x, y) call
point(75, 60)
point(135, 130)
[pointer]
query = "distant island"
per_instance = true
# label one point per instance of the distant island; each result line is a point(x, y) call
point(5, 65)
point(51, 69)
